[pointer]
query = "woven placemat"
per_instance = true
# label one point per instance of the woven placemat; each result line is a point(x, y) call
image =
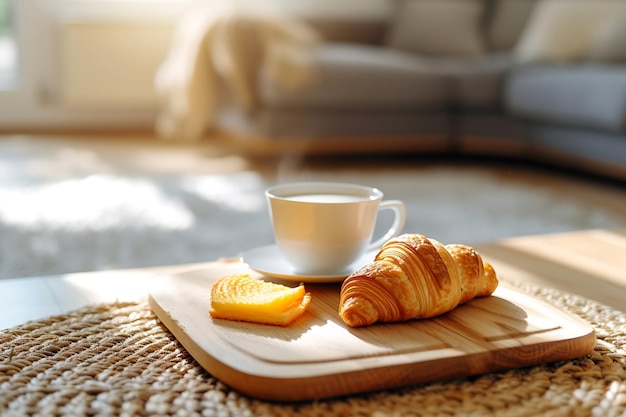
point(118, 359)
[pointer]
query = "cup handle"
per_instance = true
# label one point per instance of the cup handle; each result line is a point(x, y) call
point(399, 210)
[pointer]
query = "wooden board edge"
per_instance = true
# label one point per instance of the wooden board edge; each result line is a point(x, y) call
point(389, 377)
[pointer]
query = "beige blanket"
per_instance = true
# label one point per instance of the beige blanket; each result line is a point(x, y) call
point(214, 51)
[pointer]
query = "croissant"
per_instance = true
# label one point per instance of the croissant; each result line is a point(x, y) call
point(414, 277)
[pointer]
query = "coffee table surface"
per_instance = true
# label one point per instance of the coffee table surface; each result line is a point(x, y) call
point(590, 263)
point(118, 358)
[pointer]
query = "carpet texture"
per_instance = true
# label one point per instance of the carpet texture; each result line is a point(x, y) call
point(117, 360)
point(71, 205)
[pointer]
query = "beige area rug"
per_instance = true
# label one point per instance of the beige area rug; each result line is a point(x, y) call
point(82, 203)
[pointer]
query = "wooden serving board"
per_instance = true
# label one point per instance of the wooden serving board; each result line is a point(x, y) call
point(319, 356)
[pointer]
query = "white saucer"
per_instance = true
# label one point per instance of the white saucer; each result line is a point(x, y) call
point(268, 261)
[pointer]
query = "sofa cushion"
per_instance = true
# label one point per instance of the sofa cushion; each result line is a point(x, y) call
point(346, 10)
point(360, 21)
point(505, 22)
point(438, 27)
point(431, 128)
point(358, 76)
point(583, 96)
point(475, 84)
point(610, 45)
point(565, 30)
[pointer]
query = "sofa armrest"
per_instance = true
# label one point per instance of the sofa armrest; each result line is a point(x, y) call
point(592, 96)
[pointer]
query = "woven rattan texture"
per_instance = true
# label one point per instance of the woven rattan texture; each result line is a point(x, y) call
point(119, 360)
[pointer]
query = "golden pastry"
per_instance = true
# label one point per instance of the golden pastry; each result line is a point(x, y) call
point(243, 298)
point(414, 277)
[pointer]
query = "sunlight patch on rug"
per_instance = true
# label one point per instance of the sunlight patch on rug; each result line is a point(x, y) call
point(96, 202)
point(239, 192)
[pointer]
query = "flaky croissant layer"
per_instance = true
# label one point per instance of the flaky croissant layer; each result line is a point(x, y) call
point(414, 277)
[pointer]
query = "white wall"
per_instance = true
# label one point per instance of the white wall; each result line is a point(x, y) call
point(88, 63)
point(110, 64)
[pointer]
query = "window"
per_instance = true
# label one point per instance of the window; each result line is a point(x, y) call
point(8, 44)
point(36, 59)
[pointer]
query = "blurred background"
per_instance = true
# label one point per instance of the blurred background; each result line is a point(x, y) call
point(76, 64)
point(82, 63)
point(82, 171)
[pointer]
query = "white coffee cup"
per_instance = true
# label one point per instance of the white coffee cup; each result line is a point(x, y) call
point(324, 227)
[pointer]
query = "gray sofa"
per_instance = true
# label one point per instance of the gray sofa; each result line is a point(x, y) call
point(468, 76)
